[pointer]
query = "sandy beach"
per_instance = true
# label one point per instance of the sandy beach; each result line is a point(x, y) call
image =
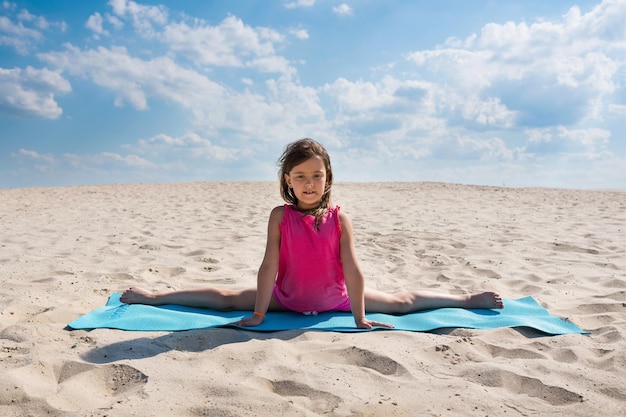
point(63, 251)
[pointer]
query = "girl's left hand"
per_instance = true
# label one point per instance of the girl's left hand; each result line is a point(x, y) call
point(251, 321)
point(368, 324)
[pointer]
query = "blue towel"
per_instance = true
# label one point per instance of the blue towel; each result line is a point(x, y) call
point(524, 312)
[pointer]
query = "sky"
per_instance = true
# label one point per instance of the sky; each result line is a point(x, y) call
point(517, 93)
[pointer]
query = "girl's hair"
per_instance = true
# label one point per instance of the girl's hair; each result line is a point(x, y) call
point(296, 153)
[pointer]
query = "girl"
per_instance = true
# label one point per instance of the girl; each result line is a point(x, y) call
point(310, 264)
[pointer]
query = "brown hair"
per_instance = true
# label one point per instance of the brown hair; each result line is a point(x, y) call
point(296, 153)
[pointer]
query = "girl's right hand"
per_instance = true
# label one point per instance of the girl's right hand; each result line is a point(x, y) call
point(251, 321)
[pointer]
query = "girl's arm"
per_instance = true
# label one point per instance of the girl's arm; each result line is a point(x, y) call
point(268, 270)
point(355, 281)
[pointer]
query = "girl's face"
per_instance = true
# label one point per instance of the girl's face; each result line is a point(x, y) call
point(308, 181)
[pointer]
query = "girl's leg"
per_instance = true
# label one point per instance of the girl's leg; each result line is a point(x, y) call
point(213, 298)
point(410, 301)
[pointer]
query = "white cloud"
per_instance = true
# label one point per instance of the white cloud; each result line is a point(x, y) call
point(546, 72)
point(7, 5)
point(231, 43)
point(215, 108)
point(272, 64)
point(301, 34)
point(470, 109)
point(94, 23)
point(43, 163)
point(114, 21)
point(107, 159)
point(38, 21)
point(31, 92)
point(128, 160)
point(17, 36)
point(619, 109)
point(134, 80)
point(392, 110)
point(143, 18)
point(299, 3)
point(589, 142)
point(34, 155)
point(284, 108)
point(593, 139)
point(359, 95)
point(190, 144)
point(27, 32)
point(343, 10)
point(476, 148)
point(87, 163)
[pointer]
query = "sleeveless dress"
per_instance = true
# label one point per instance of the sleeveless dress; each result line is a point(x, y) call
point(310, 275)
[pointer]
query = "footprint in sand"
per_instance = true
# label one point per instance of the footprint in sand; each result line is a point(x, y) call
point(166, 271)
point(212, 264)
point(13, 356)
point(522, 385)
point(563, 247)
point(19, 333)
point(323, 402)
point(82, 386)
point(468, 350)
point(120, 276)
point(199, 252)
point(211, 411)
point(320, 402)
point(150, 247)
point(209, 260)
point(14, 401)
point(365, 359)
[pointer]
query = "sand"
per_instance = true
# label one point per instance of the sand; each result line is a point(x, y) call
point(64, 250)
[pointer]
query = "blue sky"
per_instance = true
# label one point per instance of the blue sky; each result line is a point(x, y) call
point(515, 92)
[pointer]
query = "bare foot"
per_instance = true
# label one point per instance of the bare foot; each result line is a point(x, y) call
point(486, 299)
point(138, 296)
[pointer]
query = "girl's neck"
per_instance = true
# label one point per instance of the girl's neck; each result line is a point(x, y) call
point(310, 210)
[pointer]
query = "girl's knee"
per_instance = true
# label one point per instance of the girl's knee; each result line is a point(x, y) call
point(238, 299)
point(398, 303)
point(401, 303)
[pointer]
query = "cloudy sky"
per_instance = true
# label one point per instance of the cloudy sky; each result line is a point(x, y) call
point(498, 92)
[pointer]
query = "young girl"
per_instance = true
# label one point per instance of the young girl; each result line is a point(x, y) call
point(310, 264)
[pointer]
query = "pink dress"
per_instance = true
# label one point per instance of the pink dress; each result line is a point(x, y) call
point(310, 276)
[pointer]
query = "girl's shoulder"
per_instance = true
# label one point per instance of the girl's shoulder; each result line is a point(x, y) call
point(276, 215)
point(341, 215)
point(277, 212)
point(279, 209)
point(344, 219)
